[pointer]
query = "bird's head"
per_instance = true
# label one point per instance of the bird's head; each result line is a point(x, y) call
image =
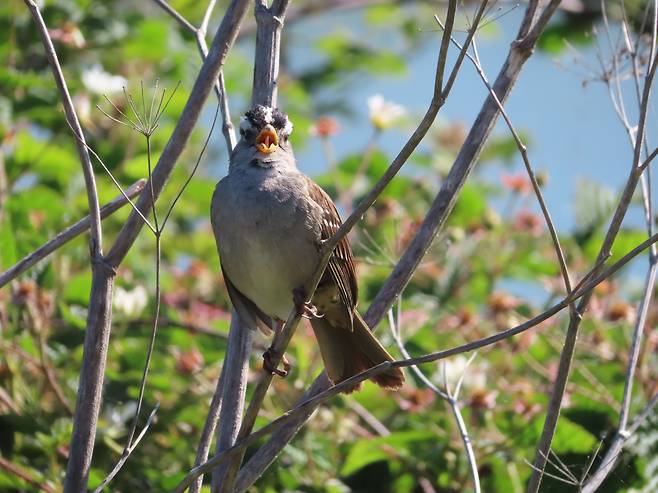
point(264, 132)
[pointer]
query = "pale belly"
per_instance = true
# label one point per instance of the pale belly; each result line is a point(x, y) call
point(265, 262)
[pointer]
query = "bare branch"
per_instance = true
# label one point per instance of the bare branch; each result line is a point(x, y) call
point(609, 461)
point(435, 218)
point(99, 310)
point(566, 358)
point(220, 88)
point(305, 408)
point(226, 34)
point(268, 47)
point(234, 375)
point(96, 244)
point(450, 399)
point(203, 28)
point(205, 442)
point(127, 451)
point(68, 234)
point(264, 92)
point(184, 23)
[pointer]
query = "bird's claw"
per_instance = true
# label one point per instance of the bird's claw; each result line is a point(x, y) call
point(270, 367)
point(306, 308)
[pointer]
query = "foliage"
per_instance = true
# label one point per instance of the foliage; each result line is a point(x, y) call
point(492, 267)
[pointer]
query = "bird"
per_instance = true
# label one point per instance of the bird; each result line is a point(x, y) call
point(270, 221)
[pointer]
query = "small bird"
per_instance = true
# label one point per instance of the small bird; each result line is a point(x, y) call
point(270, 221)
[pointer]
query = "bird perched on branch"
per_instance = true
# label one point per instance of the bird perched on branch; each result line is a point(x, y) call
point(270, 221)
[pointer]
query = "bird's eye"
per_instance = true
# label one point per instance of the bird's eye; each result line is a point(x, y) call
point(246, 133)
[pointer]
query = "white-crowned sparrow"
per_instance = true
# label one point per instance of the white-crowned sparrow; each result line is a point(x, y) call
point(269, 221)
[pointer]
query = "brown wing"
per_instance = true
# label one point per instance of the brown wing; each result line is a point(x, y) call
point(341, 263)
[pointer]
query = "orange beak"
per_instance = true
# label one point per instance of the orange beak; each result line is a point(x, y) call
point(267, 140)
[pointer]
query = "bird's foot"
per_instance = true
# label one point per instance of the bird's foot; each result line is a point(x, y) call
point(306, 308)
point(271, 368)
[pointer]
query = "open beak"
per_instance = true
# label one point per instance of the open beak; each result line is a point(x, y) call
point(267, 140)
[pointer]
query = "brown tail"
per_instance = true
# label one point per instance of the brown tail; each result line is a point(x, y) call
point(346, 353)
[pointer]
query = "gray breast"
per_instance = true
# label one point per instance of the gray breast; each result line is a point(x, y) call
point(267, 234)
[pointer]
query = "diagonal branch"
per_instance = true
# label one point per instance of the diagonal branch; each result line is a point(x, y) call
point(307, 406)
point(282, 337)
point(523, 150)
point(440, 209)
point(222, 43)
point(266, 72)
point(220, 87)
point(68, 234)
point(566, 357)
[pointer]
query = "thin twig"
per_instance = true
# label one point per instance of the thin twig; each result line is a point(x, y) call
point(194, 169)
point(205, 442)
point(523, 150)
point(184, 23)
point(609, 461)
point(435, 218)
point(283, 336)
point(68, 234)
point(127, 451)
point(118, 185)
point(566, 358)
point(219, 87)
point(24, 475)
point(452, 399)
point(307, 406)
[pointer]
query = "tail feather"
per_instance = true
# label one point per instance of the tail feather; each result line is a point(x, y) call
point(346, 353)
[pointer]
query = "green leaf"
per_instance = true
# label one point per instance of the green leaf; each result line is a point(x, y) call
point(149, 42)
point(78, 288)
point(367, 451)
point(53, 162)
point(572, 438)
point(8, 255)
point(470, 205)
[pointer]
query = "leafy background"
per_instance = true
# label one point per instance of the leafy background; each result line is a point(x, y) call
point(492, 267)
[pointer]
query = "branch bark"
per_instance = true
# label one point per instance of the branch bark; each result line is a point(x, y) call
point(266, 72)
point(520, 51)
point(290, 419)
point(566, 357)
point(68, 234)
point(100, 298)
point(234, 389)
point(103, 268)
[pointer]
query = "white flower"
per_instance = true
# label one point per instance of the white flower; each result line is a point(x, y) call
point(97, 80)
point(475, 375)
point(130, 303)
point(384, 114)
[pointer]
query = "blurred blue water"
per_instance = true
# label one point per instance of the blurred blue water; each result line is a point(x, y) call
point(572, 128)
